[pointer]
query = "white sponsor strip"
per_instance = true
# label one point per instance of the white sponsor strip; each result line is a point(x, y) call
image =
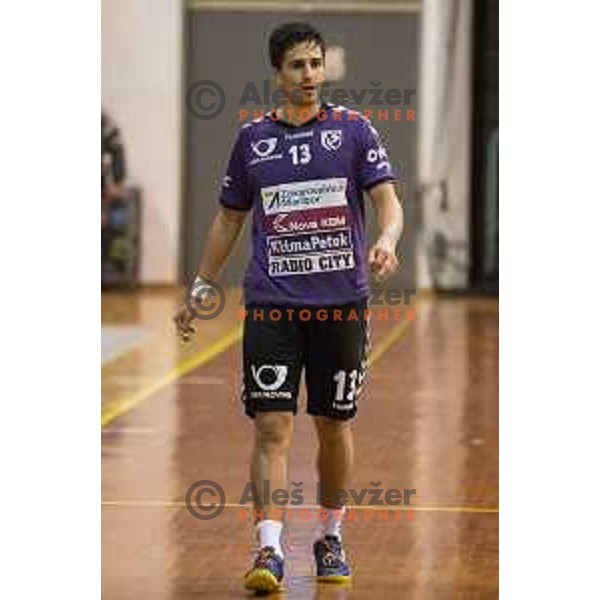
point(340, 239)
point(310, 263)
point(316, 193)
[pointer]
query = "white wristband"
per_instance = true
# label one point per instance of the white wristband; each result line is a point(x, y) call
point(199, 288)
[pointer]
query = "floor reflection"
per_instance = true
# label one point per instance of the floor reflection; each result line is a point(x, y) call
point(429, 421)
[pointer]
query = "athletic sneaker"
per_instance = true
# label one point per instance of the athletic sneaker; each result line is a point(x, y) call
point(331, 560)
point(267, 572)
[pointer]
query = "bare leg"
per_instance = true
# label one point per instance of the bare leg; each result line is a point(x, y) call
point(273, 434)
point(335, 462)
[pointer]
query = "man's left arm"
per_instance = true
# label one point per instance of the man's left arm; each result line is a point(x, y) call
point(390, 219)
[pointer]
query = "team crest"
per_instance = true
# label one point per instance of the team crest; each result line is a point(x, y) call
point(331, 139)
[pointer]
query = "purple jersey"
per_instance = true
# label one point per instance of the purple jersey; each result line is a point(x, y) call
point(305, 185)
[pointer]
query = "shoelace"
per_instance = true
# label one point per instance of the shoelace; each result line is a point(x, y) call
point(264, 554)
point(332, 556)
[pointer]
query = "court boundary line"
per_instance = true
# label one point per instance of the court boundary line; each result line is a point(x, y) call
point(175, 504)
point(395, 334)
point(123, 405)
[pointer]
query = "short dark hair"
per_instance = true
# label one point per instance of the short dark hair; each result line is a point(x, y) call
point(289, 35)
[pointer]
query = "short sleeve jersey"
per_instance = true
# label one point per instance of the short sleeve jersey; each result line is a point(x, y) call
point(305, 187)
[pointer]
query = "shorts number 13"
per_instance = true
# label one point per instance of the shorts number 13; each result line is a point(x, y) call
point(340, 379)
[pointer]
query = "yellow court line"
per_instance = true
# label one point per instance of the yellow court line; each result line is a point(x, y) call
point(123, 405)
point(388, 341)
point(178, 504)
point(392, 337)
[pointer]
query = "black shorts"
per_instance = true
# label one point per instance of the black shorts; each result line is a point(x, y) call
point(330, 343)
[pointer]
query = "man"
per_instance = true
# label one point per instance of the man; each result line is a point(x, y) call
point(115, 248)
point(113, 157)
point(302, 170)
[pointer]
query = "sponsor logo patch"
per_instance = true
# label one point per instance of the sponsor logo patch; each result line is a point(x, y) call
point(311, 263)
point(317, 193)
point(264, 147)
point(375, 154)
point(301, 221)
point(269, 377)
point(315, 242)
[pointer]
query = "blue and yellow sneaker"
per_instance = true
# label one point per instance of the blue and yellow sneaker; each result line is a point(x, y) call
point(331, 560)
point(266, 574)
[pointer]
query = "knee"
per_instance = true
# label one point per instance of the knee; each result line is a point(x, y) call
point(331, 429)
point(273, 431)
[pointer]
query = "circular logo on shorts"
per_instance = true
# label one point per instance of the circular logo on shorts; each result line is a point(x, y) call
point(270, 377)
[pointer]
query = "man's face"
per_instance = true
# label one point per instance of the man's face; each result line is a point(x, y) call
point(301, 73)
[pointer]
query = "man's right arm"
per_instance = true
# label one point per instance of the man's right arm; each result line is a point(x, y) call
point(235, 202)
point(221, 238)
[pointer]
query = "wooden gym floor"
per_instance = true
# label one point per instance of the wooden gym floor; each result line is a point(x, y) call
point(171, 416)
